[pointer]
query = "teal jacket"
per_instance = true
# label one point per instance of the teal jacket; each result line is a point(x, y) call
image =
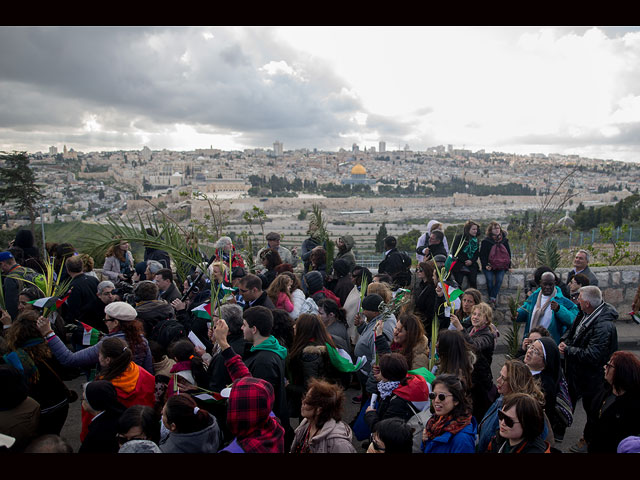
point(560, 320)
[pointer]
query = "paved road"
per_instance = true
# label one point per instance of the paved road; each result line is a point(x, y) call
point(628, 337)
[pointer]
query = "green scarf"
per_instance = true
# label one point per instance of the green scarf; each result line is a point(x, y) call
point(471, 248)
point(271, 344)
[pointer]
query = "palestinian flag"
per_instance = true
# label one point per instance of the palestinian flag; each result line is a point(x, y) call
point(451, 261)
point(452, 292)
point(342, 360)
point(203, 311)
point(52, 303)
point(90, 336)
point(424, 373)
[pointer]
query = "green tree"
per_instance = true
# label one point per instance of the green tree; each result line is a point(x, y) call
point(18, 184)
point(380, 236)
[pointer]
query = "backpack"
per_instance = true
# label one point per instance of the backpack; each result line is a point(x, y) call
point(418, 422)
point(167, 331)
point(31, 277)
point(564, 406)
point(499, 257)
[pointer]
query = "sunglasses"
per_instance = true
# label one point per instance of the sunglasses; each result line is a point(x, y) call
point(441, 396)
point(508, 421)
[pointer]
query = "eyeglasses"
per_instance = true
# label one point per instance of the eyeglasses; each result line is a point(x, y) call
point(441, 396)
point(609, 365)
point(508, 421)
point(376, 445)
point(533, 350)
point(418, 270)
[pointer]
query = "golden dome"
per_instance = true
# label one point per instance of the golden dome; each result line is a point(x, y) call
point(358, 170)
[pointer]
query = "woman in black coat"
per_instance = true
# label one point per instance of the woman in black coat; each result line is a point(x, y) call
point(469, 251)
point(424, 295)
point(615, 414)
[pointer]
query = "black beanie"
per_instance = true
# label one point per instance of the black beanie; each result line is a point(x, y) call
point(372, 302)
point(314, 281)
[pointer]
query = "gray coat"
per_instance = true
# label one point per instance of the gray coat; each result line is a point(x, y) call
point(208, 440)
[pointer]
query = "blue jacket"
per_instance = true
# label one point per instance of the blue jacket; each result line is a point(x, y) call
point(560, 321)
point(462, 442)
point(489, 426)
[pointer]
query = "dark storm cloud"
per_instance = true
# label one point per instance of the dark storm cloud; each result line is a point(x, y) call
point(152, 78)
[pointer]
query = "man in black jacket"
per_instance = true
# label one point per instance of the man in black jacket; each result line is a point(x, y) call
point(587, 347)
point(251, 289)
point(265, 358)
point(395, 263)
point(167, 290)
point(151, 311)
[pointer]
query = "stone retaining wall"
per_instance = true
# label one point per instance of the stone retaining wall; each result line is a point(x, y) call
point(618, 284)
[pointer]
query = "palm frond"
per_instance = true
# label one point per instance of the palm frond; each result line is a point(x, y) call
point(171, 238)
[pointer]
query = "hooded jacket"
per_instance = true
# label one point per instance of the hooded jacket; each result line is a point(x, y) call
point(333, 437)
point(135, 386)
point(348, 254)
point(207, 440)
point(250, 411)
point(151, 312)
point(267, 361)
point(312, 362)
point(415, 391)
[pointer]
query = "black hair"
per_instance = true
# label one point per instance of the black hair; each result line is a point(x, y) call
point(396, 435)
point(141, 416)
point(261, 318)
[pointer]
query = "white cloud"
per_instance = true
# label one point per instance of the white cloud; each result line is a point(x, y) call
point(489, 87)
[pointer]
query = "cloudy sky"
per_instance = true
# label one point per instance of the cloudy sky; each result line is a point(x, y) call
point(544, 90)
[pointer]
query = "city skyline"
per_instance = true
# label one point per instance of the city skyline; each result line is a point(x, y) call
point(565, 90)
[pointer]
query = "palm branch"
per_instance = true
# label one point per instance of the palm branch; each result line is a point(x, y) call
point(171, 238)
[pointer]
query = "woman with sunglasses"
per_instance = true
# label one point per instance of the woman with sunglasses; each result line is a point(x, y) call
point(451, 428)
point(139, 422)
point(615, 410)
point(515, 377)
point(521, 421)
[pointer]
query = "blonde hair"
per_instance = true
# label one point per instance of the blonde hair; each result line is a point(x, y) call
point(382, 289)
point(485, 310)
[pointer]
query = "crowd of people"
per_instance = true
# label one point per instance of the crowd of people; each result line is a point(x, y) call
point(230, 360)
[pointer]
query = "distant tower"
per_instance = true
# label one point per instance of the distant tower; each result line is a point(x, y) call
point(355, 148)
point(53, 150)
point(277, 148)
point(449, 148)
point(382, 147)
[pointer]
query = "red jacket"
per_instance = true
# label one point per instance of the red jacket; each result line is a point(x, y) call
point(135, 386)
